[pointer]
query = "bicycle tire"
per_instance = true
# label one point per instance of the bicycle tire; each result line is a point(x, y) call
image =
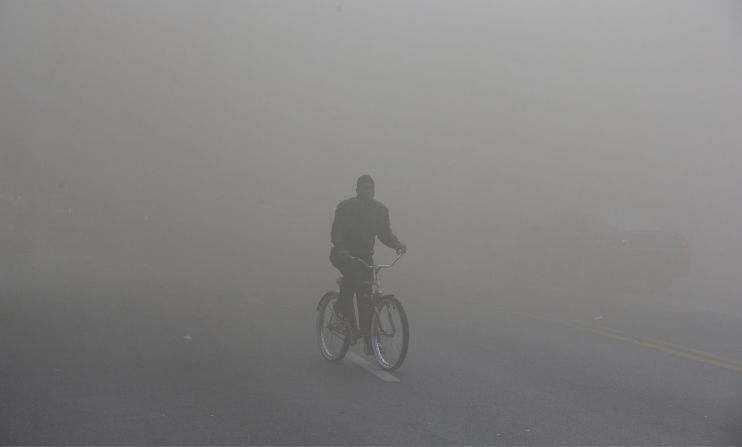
point(388, 321)
point(332, 333)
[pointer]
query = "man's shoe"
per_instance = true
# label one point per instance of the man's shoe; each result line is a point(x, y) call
point(339, 311)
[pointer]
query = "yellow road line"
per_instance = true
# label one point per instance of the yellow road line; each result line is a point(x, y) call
point(661, 345)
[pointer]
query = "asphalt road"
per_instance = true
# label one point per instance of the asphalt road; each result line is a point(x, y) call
point(134, 362)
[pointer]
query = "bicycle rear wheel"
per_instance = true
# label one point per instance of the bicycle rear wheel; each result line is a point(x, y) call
point(332, 332)
point(390, 333)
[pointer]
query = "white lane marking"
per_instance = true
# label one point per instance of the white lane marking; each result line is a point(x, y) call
point(373, 369)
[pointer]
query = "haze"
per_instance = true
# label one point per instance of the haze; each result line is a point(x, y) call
point(211, 141)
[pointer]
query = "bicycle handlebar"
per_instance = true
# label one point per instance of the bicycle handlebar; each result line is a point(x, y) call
point(376, 266)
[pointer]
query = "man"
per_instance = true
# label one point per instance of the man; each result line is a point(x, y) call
point(358, 222)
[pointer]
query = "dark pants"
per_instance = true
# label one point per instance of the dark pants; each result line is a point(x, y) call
point(354, 273)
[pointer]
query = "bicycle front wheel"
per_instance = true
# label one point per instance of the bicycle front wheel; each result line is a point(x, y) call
point(332, 332)
point(390, 333)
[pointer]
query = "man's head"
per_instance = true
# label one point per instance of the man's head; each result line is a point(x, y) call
point(365, 187)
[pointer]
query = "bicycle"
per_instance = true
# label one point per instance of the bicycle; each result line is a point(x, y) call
point(389, 330)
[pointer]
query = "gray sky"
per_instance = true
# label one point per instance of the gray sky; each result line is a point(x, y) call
point(249, 121)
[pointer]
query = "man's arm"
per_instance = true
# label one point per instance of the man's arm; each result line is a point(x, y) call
point(337, 234)
point(386, 235)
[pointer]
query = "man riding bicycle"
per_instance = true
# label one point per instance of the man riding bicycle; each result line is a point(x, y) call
point(358, 222)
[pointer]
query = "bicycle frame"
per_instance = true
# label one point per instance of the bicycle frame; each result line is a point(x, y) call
point(376, 291)
point(376, 269)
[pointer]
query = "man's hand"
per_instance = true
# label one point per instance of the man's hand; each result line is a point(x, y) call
point(401, 249)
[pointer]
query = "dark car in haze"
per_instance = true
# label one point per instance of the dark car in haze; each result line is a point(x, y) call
point(579, 248)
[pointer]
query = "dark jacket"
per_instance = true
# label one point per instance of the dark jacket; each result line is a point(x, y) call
point(357, 224)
